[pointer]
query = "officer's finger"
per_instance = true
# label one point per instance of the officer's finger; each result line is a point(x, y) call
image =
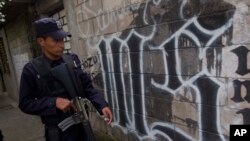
point(107, 115)
point(110, 118)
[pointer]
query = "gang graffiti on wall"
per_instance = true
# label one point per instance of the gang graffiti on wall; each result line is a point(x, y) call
point(89, 63)
point(165, 79)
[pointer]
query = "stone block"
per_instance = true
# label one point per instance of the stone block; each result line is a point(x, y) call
point(56, 16)
point(128, 66)
point(82, 49)
point(65, 28)
point(137, 1)
point(127, 84)
point(65, 21)
point(238, 93)
point(161, 32)
point(62, 13)
point(157, 12)
point(159, 108)
point(98, 81)
point(80, 1)
point(91, 8)
point(186, 63)
point(147, 63)
point(86, 28)
point(185, 114)
point(139, 62)
point(67, 46)
point(105, 24)
point(241, 20)
point(160, 66)
point(211, 7)
point(208, 136)
point(230, 115)
point(188, 131)
point(235, 61)
point(79, 13)
point(125, 63)
point(124, 18)
point(75, 2)
point(210, 119)
point(116, 4)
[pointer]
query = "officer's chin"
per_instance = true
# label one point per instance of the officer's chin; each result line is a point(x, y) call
point(59, 53)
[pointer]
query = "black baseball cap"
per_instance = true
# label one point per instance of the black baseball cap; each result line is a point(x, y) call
point(50, 27)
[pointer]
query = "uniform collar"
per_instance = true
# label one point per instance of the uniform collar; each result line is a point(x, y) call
point(53, 62)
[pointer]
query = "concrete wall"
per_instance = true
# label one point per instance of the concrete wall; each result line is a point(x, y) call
point(18, 52)
point(169, 69)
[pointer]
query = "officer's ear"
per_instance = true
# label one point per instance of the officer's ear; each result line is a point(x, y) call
point(40, 41)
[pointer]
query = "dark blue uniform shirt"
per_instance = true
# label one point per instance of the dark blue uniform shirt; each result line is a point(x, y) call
point(45, 106)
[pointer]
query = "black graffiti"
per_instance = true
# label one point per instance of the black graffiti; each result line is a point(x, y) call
point(135, 45)
point(90, 62)
point(246, 114)
point(171, 133)
point(115, 48)
point(242, 53)
point(237, 91)
point(113, 73)
point(174, 82)
point(242, 69)
point(209, 91)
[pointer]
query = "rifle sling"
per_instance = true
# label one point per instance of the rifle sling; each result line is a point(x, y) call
point(42, 67)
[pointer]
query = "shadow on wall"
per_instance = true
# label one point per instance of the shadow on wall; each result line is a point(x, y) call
point(3, 87)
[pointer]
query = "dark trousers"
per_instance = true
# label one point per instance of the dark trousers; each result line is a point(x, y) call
point(74, 133)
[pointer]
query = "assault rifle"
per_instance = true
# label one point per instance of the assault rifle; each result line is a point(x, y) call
point(64, 74)
point(80, 116)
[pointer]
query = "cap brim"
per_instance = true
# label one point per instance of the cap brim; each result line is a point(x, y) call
point(59, 34)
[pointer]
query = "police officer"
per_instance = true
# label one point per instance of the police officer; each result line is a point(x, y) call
point(44, 96)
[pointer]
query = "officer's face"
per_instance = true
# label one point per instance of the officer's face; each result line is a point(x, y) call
point(52, 48)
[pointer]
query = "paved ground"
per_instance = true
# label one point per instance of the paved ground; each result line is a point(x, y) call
point(17, 126)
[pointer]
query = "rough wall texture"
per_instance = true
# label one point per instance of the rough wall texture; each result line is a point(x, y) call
point(20, 52)
point(171, 70)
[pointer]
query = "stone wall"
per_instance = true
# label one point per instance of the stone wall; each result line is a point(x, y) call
point(170, 70)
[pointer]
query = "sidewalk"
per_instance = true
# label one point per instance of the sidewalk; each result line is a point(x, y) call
point(17, 126)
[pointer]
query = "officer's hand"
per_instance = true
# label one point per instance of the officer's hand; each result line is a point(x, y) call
point(107, 115)
point(63, 104)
